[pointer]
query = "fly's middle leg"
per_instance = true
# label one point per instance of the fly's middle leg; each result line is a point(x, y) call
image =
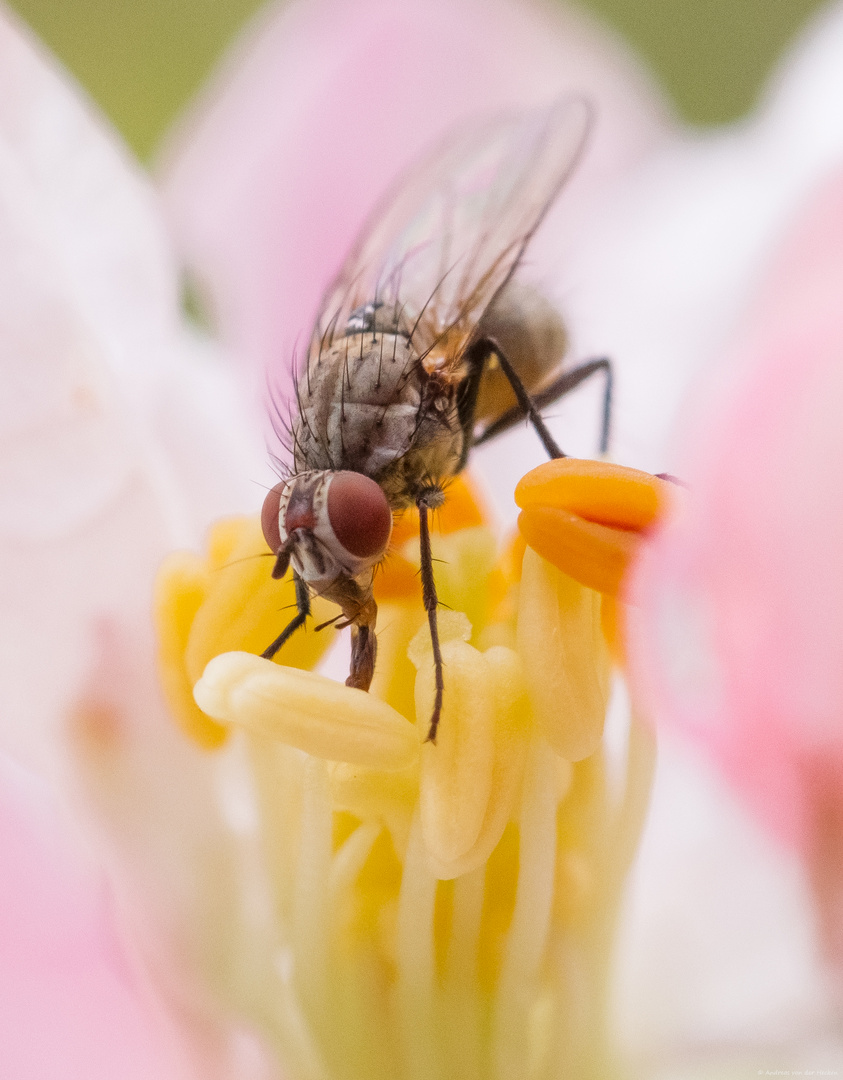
point(303, 605)
point(431, 499)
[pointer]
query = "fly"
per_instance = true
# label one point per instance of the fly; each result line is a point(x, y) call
point(425, 345)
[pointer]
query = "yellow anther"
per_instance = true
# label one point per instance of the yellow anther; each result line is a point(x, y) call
point(470, 779)
point(311, 712)
point(456, 776)
point(226, 601)
point(180, 590)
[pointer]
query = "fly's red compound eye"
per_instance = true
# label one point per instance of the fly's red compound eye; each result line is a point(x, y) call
point(359, 514)
point(269, 517)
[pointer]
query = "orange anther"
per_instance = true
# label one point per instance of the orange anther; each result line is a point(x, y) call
point(587, 517)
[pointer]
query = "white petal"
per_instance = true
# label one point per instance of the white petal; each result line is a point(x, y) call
point(94, 203)
point(89, 499)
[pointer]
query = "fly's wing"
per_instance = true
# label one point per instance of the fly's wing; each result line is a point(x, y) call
point(449, 235)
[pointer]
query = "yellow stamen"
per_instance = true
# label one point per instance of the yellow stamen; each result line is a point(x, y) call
point(471, 778)
point(432, 910)
point(225, 602)
point(309, 711)
point(566, 661)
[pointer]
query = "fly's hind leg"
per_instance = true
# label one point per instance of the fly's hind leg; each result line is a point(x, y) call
point(529, 408)
point(431, 499)
point(562, 385)
point(303, 605)
point(478, 356)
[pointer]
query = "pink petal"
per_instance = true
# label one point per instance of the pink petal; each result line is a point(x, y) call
point(71, 1006)
point(328, 100)
point(177, 865)
point(740, 634)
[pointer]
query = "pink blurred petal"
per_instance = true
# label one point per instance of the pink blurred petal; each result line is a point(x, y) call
point(71, 1006)
point(328, 100)
point(175, 859)
point(740, 633)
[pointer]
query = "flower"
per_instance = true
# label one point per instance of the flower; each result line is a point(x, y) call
point(428, 904)
point(127, 441)
point(123, 439)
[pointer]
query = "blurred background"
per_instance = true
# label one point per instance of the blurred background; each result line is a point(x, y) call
point(142, 61)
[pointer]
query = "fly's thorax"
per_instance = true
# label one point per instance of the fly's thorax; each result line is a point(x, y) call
point(330, 524)
point(433, 458)
point(369, 404)
point(359, 404)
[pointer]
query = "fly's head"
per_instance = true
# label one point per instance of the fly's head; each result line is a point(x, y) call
point(329, 526)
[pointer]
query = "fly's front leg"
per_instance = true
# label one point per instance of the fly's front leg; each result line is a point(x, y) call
point(431, 499)
point(303, 605)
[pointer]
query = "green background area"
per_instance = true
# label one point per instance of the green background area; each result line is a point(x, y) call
point(142, 59)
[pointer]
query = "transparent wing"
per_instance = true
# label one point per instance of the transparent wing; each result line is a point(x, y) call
point(450, 234)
